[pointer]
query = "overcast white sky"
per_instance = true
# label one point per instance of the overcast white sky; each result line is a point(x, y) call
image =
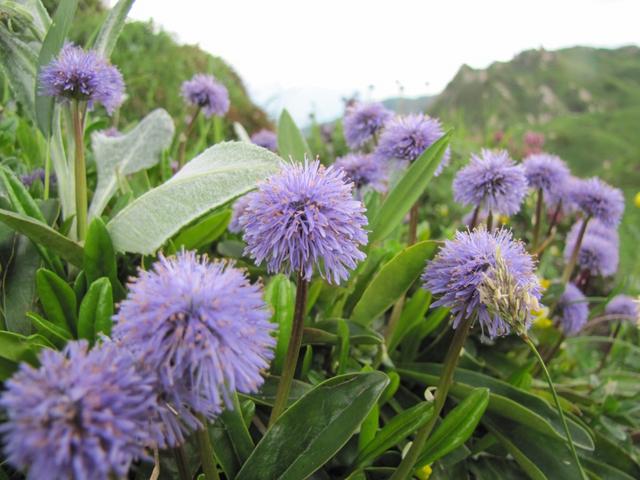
point(305, 55)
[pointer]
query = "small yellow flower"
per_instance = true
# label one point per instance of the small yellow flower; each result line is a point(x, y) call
point(541, 318)
point(504, 220)
point(636, 200)
point(424, 473)
point(544, 283)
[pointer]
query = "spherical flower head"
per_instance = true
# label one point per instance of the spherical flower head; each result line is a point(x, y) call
point(362, 121)
point(81, 414)
point(599, 200)
point(596, 255)
point(461, 267)
point(595, 228)
point(575, 310)
point(405, 138)
point(203, 328)
point(363, 170)
point(492, 182)
point(205, 92)
point(305, 217)
point(546, 172)
point(624, 306)
point(238, 210)
point(266, 139)
point(85, 76)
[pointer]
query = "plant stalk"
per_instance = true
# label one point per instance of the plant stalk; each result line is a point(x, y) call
point(538, 220)
point(289, 367)
point(568, 270)
point(567, 432)
point(80, 170)
point(181, 462)
point(474, 218)
point(47, 170)
point(187, 133)
point(207, 456)
point(413, 224)
point(489, 221)
point(610, 346)
point(407, 465)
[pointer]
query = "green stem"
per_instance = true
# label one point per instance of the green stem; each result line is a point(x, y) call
point(47, 170)
point(474, 218)
point(187, 133)
point(207, 456)
point(570, 443)
point(568, 270)
point(538, 220)
point(181, 462)
point(80, 171)
point(218, 129)
point(407, 465)
point(490, 221)
point(289, 367)
point(413, 224)
point(610, 346)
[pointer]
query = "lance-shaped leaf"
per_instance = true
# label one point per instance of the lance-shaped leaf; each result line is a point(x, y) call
point(291, 142)
point(216, 176)
point(137, 150)
point(111, 28)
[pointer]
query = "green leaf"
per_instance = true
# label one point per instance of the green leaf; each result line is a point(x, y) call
point(412, 314)
point(408, 190)
point(504, 400)
point(100, 257)
point(204, 232)
point(58, 300)
point(392, 281)
point(117, 157)
point(241, 133)
point(18, 60)
point(236, 435)
point(96, 310)
point(55, 334)
point(325, 332)
point(311, 431)
point(456, 427)
point(280, 294)
point(42, 234)
point(111, 28)
point(17, 348)
point(53, 42)
point(213, 178)
point(395, 432)
point(291, 142)
point(267, 394)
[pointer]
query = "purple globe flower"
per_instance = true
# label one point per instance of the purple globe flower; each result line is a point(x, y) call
point(405, 138)
point(596, 255)
point(625, 306)
point(363, 169)
point(599, 200)
point(239, 208)
point(546, 172)
point(205, 92)
point(492, 182)
point(81, 414)
point(461, 266)
point(362, 121)
point(203, 329)
point(575, 310)
point(85, 76)
point(266, 139)
point(595, 228)
point(305, 216)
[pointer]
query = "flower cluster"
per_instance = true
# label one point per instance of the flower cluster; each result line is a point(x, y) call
point(266, 139)
point(575, 310)
point(625, 306)
point(84, 76)
point(547, 173)
point(599, 200)
point(363, 170)
point(363, 121)
point(204, 92)
point(599, 250)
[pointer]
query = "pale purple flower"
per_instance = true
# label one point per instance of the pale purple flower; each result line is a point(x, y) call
point(266, 139)
point(239, 207)
point(406, 138)
point(546, 172)
point(594, 228)
point(599, 200)
point(574, 309)
point(363, 170)
point(205, 92)
point(460, 267)
point(82, 414)
point(596, 255)
point(492, 182)
point(85, 76)
point(203, 328)
point(625, 306)
point(362, 121)
point(305, 217)
point(36, 175)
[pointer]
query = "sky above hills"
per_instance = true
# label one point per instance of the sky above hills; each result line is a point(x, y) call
point(306, 56)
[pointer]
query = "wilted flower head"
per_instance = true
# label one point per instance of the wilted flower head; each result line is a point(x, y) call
point(86, 76)
point(464, 263)
point(266, 139)
point(362, 121)
point(239, 207)
point(205, 92)
point(203, 328)
point(405, 138)
point(363, 169)
point(492, 182)
point(81, 414)
point(575, 310)
point(598, 255)
point(625, 306)
point(546, 172)
point(599, 200)
point(305, 216)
